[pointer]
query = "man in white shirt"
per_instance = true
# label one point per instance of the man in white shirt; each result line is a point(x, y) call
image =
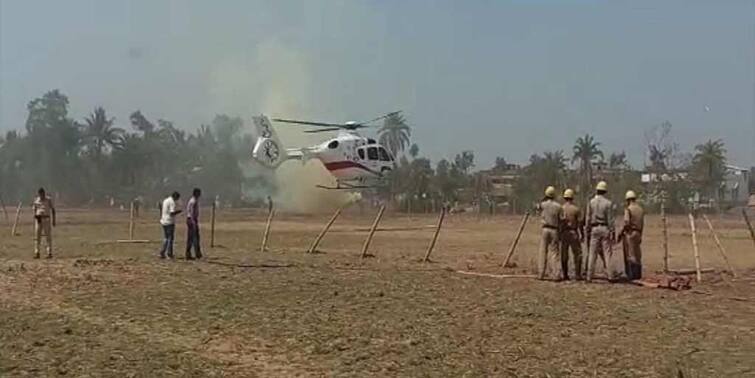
point(168, 222)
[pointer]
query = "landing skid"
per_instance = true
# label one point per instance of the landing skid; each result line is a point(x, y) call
point(344, 187)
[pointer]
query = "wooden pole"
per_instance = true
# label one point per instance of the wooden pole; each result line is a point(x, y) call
point(5, 211)
point(512, 248)
point(15, 222)
point(749, 225)
point(686, 272)
point(435, 236)
point(131, 222)
point(496, 275)
point(316, 242)
point(212, 224)
point(367, 241)
point(270, 215)
point(664, 223)
point(719, 245)
point(699, 276)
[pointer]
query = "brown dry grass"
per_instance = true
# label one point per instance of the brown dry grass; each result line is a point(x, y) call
point(101, 309)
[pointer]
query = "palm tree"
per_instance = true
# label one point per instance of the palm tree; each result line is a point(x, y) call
point(100, 134)
point(395, 133)
point(586, 151)
point(708, 165)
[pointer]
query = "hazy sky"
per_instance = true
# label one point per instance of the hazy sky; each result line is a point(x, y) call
point(503, 78)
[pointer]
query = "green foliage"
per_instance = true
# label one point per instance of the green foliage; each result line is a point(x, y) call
point(395, 133)
point(88, 162)
point(464, 161)
point(585, 152)
point(542, 171)
point(708, 166)
point(414, 150)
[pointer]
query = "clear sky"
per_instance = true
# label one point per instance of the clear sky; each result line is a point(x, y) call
point(503, 78)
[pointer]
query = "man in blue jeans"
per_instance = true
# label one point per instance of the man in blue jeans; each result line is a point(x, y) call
point(192, 226)
point(168, 214)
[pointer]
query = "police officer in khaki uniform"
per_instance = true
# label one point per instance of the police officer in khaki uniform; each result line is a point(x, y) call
point(600, 220)
point(44, 219)
point(550, 211)
point(634, 221)
point(572, 235)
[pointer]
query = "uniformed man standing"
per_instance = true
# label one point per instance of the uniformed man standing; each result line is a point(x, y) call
point(600, 220)
point(634, 221)
point(572, 235)
point(44, 219)
point(550, 253)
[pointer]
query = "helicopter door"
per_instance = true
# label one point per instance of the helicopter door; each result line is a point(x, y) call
point(373, 159)
point(386, 162)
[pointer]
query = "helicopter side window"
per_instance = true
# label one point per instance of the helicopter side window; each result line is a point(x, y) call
point(372, 153)
point(384, 155)
point(361, 153)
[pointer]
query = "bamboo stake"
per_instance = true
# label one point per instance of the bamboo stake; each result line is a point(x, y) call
point(719, 245)
point(749, 225)
point(435, 236)
point(15, 222)
point(270, 215)
point(686, 272)
point(512, 248)
point(212, 225)
point(5, 211)
point(664, 223)
point(367, 241)
point(316, 242)
point(131, 222)
point(699, 276)
point(496, 275)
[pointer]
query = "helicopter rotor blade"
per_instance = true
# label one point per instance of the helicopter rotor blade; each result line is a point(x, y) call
point(322, 130)
point(319, 124)
point(379, 118)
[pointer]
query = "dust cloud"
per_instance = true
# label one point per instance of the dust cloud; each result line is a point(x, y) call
point(277, 82)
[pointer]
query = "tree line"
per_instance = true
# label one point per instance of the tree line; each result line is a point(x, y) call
point(92, 160)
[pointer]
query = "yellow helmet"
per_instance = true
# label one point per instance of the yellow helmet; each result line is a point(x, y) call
point(568, 194)
point(550, 192)
point(602, 186)
point(631, 195)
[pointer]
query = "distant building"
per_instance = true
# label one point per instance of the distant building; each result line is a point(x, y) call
point(735, 189)
point(500, 182)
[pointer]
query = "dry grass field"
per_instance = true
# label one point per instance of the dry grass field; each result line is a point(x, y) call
point(104, 309)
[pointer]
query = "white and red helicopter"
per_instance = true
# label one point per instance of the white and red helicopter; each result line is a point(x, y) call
point(355, 161)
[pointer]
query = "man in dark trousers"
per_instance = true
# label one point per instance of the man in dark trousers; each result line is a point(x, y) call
point(192, 226)
point(634, 222)
point(44, 220)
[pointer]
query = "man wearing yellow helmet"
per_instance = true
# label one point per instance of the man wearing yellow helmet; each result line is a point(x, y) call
point(550, 212)
point(634, 221)
point(600, 220)
point(572, 234)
